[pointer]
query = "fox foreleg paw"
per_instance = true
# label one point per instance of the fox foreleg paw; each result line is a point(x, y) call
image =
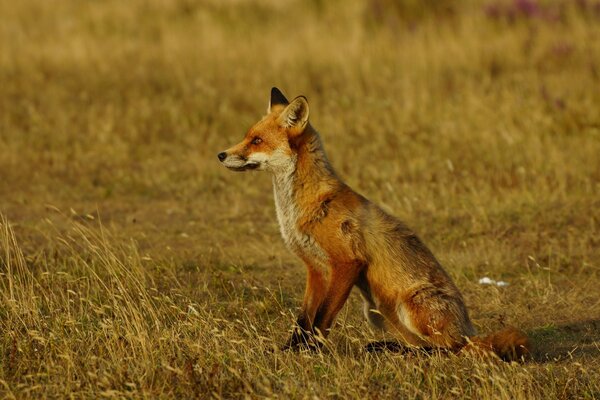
point(302, 339)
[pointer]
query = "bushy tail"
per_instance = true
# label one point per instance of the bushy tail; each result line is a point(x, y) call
point(510, 344)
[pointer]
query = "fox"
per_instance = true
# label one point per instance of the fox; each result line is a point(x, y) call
point(346, 242)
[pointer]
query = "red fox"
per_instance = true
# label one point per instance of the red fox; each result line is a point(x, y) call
point(346, 241)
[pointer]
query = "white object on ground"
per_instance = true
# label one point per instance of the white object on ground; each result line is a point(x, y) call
point(487, 281)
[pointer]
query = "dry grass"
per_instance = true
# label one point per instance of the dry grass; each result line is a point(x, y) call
point(133, 265)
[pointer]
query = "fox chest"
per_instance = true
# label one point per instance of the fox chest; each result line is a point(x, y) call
point(288, 214)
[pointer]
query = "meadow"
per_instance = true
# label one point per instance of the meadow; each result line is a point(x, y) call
point(133, 265)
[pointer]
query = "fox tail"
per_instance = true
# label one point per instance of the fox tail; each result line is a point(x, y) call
point(510, 344)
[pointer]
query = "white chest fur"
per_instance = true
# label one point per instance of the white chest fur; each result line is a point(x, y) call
point(288, 214)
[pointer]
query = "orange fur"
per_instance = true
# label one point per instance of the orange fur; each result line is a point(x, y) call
point(510, 344)
point(346, 241)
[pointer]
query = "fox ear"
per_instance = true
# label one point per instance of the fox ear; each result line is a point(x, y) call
point(295, 115)
point(277, 98)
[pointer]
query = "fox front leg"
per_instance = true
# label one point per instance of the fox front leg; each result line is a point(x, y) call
point(304, 334)
point(303, 337)
point(324, 298)
point(343, 278)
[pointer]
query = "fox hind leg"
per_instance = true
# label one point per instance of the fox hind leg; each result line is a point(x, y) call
point(408, 340)
point(377, 319)
point(372, 314)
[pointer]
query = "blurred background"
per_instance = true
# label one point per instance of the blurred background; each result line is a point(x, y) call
point(419, 103)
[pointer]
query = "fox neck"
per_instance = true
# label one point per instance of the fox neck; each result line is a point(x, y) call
point(296, 187)
point(308, 171)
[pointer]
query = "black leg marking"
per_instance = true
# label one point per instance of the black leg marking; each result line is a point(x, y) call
point(396, 347)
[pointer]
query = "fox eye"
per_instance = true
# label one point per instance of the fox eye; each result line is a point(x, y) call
point(256, 140)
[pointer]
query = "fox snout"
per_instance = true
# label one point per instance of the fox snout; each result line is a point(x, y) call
point(237, 162)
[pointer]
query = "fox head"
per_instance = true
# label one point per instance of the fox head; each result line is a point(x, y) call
point(266, 145)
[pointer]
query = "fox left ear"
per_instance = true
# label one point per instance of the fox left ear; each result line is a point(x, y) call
point(295, 115)
point(277, 99)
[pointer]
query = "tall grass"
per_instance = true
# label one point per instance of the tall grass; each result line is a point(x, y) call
point(92, 323)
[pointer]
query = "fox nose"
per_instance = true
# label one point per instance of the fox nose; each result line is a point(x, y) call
point(222, 155)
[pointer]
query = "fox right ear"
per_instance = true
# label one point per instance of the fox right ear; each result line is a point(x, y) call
point(295, 115)
point(277, 99)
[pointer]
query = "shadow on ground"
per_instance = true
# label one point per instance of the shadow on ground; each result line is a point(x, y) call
point(571, 340)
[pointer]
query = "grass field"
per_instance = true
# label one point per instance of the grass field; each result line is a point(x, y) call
point(133, 265)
